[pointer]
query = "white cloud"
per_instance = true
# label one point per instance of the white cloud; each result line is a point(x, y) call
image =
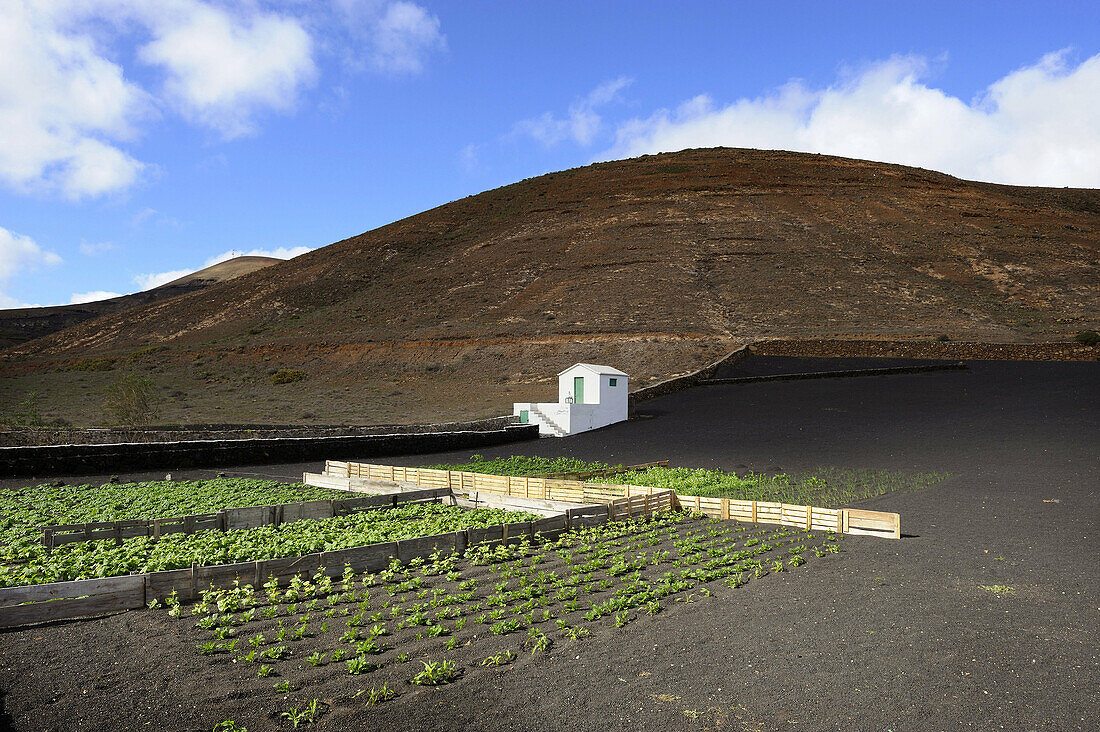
point(279, 253)
point(468, 157)
point(64, 107)
point(67, 108)
point(582, 122)
point(156, 279)
point(399, 35)
point(225, 67)
point(83, 297)
point(19, 253)
point(94, 249)
point(1039, 125)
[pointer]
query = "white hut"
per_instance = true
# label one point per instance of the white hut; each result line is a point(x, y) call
point(589, 396)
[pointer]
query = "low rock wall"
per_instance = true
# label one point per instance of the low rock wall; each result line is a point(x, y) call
point(47, 460)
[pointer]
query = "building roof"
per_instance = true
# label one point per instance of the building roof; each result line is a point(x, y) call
point(595, 368)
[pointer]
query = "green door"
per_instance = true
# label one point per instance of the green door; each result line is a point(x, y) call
point(578, 390)
point(524, 416)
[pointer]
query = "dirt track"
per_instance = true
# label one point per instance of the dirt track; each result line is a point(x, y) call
point(897, 635)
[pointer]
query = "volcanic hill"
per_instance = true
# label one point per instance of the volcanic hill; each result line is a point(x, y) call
point(656, 265)
point(19, 325)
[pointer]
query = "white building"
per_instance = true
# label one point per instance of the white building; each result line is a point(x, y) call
point(589, 396)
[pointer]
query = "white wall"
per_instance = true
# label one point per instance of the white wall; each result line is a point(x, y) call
point(602, 405)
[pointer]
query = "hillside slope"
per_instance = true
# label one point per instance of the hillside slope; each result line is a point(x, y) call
point(19, 325)
point(656, 265)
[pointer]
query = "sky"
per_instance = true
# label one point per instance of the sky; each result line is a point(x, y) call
point(144, 139)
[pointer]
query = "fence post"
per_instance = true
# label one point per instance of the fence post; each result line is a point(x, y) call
point(754, 512)
point(809, 517)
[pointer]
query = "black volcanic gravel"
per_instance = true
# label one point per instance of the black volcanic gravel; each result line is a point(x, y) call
point(894, 635)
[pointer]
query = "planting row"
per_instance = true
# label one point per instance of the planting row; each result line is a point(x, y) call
point(824, 487)
point(23, 511)
point(29, 563)
point(431, 621)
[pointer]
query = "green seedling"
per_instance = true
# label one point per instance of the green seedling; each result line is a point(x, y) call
point(435, 673)
point(358, 665)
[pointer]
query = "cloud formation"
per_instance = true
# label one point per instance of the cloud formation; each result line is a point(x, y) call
point(68, 107)
point(93, 296)
point(64, 107)
point(17, 254)
point(582, 121)
point(224, 68)
point(1038, 125)
point(155, 279)
point(398, 36)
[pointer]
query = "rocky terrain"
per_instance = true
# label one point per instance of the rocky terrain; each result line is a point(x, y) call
point(657, 265)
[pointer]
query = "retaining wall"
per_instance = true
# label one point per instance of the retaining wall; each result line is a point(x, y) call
point(45, 460)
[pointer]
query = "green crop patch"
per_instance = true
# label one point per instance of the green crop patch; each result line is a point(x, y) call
point(24, 561)
point(448, 617)
point(825, 487)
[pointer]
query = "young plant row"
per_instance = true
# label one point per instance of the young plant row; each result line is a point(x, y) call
point(824, 487)
point(24, 511)
point(32, 564)
point(428, 621)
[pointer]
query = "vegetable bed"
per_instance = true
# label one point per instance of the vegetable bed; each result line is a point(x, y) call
point(322, 646)
point(23, 561)
point(823, 487)
point(24, 511)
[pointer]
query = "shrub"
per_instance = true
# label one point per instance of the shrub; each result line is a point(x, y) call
point(1087, 338)
point(132, 400)
point(147, 351)
point(27, 413)
point(94, 364)
point(287, 376)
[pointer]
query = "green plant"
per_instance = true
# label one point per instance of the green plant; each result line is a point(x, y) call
point(999, 590)
point(132, 400)
point(287, 376)
point(304, 715)
point(229, 726)
point(283, 687)
point(379, 694)
point(316, 658)
point(1087, 338)
point(435, 673)
point(358, 665)
point(499, 659)
point(265, 671)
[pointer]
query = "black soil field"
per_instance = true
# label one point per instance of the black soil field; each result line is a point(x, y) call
point(780, 365)
point(887, 635)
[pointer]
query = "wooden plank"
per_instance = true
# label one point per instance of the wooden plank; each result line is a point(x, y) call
point(409, 549)
point(125, 597)
point(74, 588)
point(158, 585)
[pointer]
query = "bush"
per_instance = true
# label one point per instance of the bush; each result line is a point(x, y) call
point(132, 400)
point(27, 413)
point(1087, 338)
point(94, 364)
point(287, 376)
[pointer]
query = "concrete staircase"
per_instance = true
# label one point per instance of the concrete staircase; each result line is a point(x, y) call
point(543, 419)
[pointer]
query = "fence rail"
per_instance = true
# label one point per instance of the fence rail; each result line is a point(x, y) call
point(841, 520)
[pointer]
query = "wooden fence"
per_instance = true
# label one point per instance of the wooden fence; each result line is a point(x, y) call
point(80, 598)
point(840, 520)
point(247, 517)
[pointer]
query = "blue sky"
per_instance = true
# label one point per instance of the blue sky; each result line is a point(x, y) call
point(140, 140)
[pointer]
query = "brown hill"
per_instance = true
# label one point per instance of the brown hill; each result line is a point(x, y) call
point(19, 325)
point(655, 265)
